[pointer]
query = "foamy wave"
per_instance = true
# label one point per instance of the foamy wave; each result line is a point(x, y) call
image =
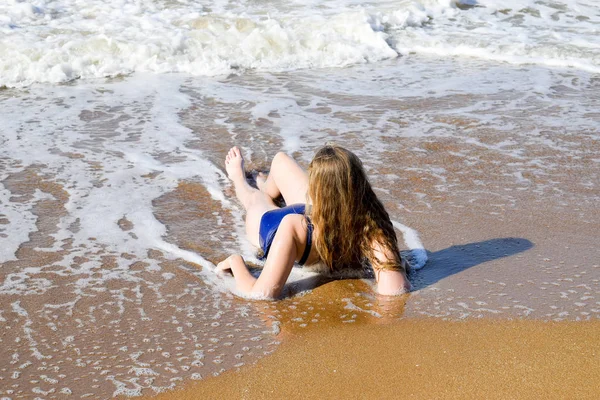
point(41, 44)
point(59, 41)
point(559, 34)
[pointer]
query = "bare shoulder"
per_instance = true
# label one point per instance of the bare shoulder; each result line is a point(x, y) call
point(293, 229)
point(390, 282)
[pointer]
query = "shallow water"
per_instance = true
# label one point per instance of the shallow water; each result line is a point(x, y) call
point(478, 126)
point(115, 206)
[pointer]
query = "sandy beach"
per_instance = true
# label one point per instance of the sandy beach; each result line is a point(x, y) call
point(115, 208)
point(421, 359)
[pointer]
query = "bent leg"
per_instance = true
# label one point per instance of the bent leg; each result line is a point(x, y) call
point(255, 202)
point(254, 215)
point(287, 179)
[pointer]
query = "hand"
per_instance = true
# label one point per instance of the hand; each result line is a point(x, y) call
point(225, 265)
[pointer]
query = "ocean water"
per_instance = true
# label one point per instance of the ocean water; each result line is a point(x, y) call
point(58, 41)
point(115, 118)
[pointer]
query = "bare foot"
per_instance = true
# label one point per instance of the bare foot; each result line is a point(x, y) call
point(261, 180)
point(234, 165)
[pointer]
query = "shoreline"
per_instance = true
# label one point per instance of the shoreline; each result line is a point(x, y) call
point(498, 178)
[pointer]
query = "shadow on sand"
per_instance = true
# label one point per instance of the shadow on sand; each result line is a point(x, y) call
point(458, 258)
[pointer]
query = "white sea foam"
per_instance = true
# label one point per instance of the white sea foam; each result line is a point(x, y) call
point(21, 222)
point(57, 41)
point(353, 307)
point(123, 192)
point(557, 34)
point(418, 254)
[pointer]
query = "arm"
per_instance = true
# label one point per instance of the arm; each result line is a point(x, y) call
point(389, 282)
point(244, 281)
point(278, 266)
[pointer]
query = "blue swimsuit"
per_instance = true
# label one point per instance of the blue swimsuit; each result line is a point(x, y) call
point(269, 223)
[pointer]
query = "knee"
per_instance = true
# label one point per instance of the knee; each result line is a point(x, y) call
point(280, 158)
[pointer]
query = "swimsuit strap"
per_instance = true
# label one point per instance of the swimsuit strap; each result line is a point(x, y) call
point(308, 242)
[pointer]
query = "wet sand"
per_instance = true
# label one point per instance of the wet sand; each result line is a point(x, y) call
point(497, 313)
point(504, 194)
point(422, 359)
point(512, 284)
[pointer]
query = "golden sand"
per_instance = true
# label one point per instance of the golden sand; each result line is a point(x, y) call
point(423, 359)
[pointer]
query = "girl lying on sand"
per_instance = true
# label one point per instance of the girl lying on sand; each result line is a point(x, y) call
point(332, 216)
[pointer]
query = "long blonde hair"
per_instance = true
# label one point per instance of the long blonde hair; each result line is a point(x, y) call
point(348, 217)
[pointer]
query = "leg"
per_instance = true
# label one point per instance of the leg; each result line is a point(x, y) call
point(255, 202)
point(287, 179)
